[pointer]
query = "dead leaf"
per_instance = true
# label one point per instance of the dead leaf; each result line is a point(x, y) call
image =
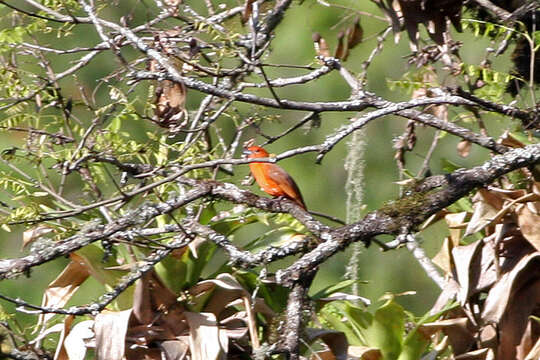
point(435, 16)
point(204, 339)
point(529, 223)
point(365, 353)
point(355, 34)
point(507, 139)
point(61, 353)
point(456, 222)
point(502, 292)
point(335, 340)
point(534, 354)
point(486, 207)
point(248, 10)
point(467, 262)
point(443, 258)
point(481, 354)
point(175, 349)
point(460, 333)
point(321, 46)
point(35, 233)
point(464, 148)
point(110, 328)
point(76, 341)
point(61, 289)
point(340, 49)
point(433, 219)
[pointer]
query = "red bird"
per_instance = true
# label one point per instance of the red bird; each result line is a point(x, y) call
point(271, 178)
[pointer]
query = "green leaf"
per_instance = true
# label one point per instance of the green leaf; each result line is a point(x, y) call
point(329, 290)
point(387, 329)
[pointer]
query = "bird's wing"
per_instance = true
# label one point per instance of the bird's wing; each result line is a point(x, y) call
point(286, 183)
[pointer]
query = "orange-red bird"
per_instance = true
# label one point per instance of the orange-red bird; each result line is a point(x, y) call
point(271, 178)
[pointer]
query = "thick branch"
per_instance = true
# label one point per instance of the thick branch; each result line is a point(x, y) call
point(409, 212)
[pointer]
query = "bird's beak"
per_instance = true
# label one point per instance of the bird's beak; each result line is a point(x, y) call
point(246, 152)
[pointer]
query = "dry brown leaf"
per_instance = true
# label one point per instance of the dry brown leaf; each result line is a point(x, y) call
point(236, 325)
point(170, 104)
point(486, 207)
point(341, 51)
point(510, 193)
point(456, 222)
point(61, 289)
point(529, 338)
point(35, 233)
point(502, 292)
point(534, 354)
point(529, 223)
point(248, 10)
point(433, 219)
point(61, 353)
point(77, 339)
point(323, 355)
point(111, 329)
point(229, 289)
point(481, 354)
point(467, 260)
point(321, 46)
point(435, 16)
point(508, 140)
point(365, 353)
point(443, 258)
point(464, 148)
point(509, 304)
point(204, 338)
point(175, 349)
point(355, 34)
point(459, 331)
point(335, 340)
point(154, 303)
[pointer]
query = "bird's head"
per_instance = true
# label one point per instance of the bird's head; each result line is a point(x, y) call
point(253, 152)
